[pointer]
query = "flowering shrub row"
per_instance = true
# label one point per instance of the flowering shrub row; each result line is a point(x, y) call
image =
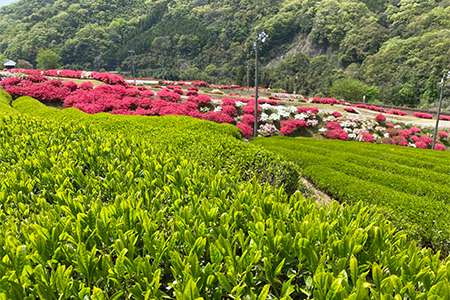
point(422, 115)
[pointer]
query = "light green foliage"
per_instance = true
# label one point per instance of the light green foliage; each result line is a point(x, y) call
point(219, 146)
point(409, 185)
point(47, 59)
point(88, 214)
point(353, 90)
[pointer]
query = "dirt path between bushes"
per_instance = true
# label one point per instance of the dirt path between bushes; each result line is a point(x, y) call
point(319, 196)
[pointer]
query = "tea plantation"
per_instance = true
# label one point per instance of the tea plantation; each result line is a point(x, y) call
point(122, 207)
point(410, 185)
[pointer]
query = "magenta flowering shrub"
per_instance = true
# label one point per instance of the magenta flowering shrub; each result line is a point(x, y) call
point(442, 134)
point(415, 130)
point(415, 138)
point(365, 137)
point(422, 115)
point(330, 101)
point(426, 139)
point(421, 145)
point(247, 130)
point(380, 118)
point(390, 125)
point(439, 147)
point(444, 118)
point(338, 134)
point(192, 93)
point(289, 126)
point(248, 119)
point(228, 101)
point(167, 95)
point(350, 110)
point(336, 114)
point(53, 73)
point(250, 108)
point(11, 81)
point(229, 110)
point(397, 112)
point(313, 110)
point(218, 117)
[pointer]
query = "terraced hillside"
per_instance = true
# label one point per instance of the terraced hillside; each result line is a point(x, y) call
point(410, 185)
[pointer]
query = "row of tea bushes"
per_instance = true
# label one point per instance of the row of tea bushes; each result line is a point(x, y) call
point(209, 143)
point(352, 172)
point(88, 214)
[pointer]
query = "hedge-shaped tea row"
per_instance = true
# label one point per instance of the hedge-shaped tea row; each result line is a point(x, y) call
point(208, 143)
point(417, 158)
point(87, 214)
point(366, 169)
point(422, 217)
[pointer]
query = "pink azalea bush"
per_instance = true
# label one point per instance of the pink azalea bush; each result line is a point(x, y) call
point(380, 118)
point(422, 115)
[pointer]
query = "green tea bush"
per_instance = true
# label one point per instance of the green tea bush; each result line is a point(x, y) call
point(208, 143)
point(89, 214)
point(416, 198)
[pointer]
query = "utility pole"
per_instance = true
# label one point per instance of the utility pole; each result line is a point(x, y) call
point(132, 64)
point(445, 76)
point(261, 38)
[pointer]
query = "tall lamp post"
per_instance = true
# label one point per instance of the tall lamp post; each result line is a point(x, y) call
point(260, 39)
point(132, 64)
point(445, 76)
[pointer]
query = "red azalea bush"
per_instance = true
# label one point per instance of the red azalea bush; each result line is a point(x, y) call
point(165, 94)
point(248, 118)
point(365, 137)
point(71, 74)
point(421, 145)
point(350, 110)
point(397, 112)
point(415, 130)
point(313, 110)
point(247, 130)
point(336, 114)
point(250, 108)
point(400, 141)
point(333, 125)
point(286, 130)
point(53, 73)
point(336, 134)
point(192, 93)
point(442, 134)
point(178, 90)
point(11, 81)
point(422, 115)
point(218, 117)
point(202, 100)
point(229, 110)
point(390, 125)
point(330, 101)
point(426, 139)
point(444, 118)
point(87, 85)
point(107, 78)
point(439, 147)
point(228, 101)
point(380, 118)
point(415, 138)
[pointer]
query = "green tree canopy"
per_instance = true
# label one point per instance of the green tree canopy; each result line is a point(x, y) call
point(47, 59)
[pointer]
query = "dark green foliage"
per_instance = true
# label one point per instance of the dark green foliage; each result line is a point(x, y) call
point(400, 47)
point(409, 185)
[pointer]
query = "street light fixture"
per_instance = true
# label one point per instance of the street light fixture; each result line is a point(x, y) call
point(445, 76)
point(260, 39)
point(132, 64)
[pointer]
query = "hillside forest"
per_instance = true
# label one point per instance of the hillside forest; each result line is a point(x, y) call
point(392, 51)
